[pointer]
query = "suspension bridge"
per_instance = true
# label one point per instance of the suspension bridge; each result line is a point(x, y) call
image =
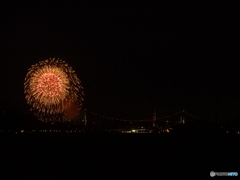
point(95, 122)
point(179, 117)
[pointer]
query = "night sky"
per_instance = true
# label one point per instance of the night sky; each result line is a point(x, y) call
point(131, 61)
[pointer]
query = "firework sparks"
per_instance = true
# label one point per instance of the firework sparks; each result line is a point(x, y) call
point(52, 88)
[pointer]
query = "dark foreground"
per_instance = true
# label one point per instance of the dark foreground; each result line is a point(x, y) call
point(117, 156)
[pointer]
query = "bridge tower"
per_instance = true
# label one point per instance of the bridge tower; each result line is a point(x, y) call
point(182, 117)
point(154, 119)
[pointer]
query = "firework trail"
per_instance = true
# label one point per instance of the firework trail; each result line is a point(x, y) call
point(53, 90)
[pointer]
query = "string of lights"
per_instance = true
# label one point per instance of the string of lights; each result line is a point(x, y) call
point(190, 115)
point(141, 120)
point(117, 119)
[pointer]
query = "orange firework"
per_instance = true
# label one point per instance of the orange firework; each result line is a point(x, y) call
point(52, 88)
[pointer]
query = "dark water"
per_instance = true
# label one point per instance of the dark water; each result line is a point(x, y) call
point(116, 156)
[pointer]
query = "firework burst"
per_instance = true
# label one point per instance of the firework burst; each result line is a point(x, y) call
point(53, 90)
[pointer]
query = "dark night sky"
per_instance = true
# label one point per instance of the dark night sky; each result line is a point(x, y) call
point(130, 60)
